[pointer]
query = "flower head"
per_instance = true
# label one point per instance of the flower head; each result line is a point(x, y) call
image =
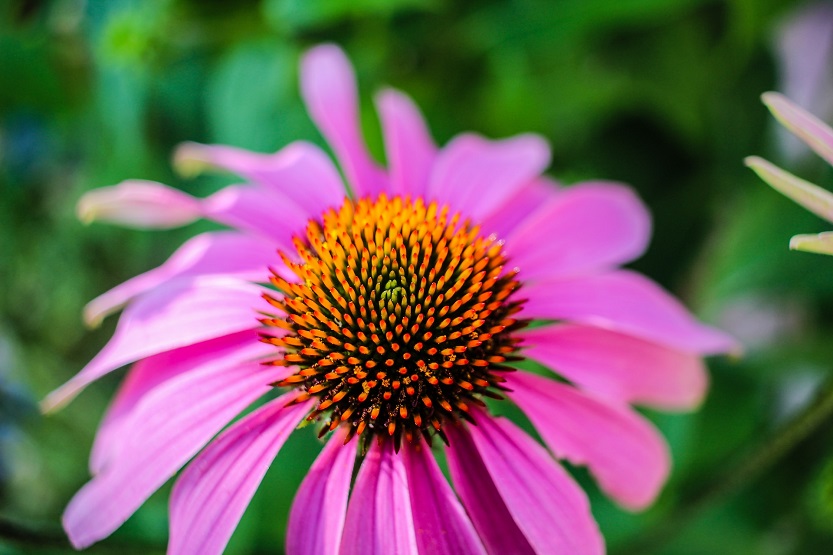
point(817, 136)
point(387, 316)
point(400, 318)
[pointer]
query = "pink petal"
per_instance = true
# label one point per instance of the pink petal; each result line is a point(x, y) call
point(620, 367)
point(478, 176)
point(317, 516)
point(585, 228)
point(151, 372)
point(259, 211)
point(410, 149)
point(186, 311)
point(821, 243)
point(223, 252)
point(624, 451)
point(485, 506)
point(626, 302)
point(544, 501)
point(548, 506)
point(379, 520)
point(144, 204)
point(300, 172)
point(534, 196)
point(140, 204)
point(803, 124)
point(210, 497)
point(169, 425)
point(804, 48)
point(442, 526)
point(812, 197)
point(328, 85)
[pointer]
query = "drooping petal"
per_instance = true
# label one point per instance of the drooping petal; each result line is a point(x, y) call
point(379, 518)
point(328, 86)
point(410, 149)
point(301, 171)
point(618, 366)
point(256, 210)
point(821, 243)
point(485, 506)
point(442, 526)
point(625, 453)
point(320, 506)
point(140, 204)
point(804, 51)
point(812, 197)
point(543, 500)
point(168, 427)
point(803, 124)
point(534, 196)
point(210, 497)
point(585, 228)
point(149, 373)
point(477, 176)
point(215, 253)
point(148, 204)
point(626, 302)
point(186, 311)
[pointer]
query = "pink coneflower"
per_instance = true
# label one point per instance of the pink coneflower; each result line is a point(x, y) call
point(386, 316)
point(818, 137)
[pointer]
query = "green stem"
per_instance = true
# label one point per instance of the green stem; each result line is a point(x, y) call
point(740, 474)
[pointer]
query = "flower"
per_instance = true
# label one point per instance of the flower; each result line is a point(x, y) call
point(818, 137)
point(804, 51)
point(389, 315)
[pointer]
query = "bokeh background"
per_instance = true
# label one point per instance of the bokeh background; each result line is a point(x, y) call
point(661, 94)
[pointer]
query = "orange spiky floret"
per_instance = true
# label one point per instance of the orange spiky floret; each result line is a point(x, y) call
point(401, 317)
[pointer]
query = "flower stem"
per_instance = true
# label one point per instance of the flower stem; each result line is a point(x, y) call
point(739, 475)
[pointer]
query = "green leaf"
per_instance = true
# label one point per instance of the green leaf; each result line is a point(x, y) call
point(303, 14)
point(253, 101)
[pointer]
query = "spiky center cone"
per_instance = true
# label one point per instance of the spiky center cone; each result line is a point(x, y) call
point(400, 320)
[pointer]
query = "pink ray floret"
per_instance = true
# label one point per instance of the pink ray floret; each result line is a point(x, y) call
point(819, 137)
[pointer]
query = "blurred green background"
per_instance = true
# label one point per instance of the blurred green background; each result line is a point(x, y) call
point(661, 94)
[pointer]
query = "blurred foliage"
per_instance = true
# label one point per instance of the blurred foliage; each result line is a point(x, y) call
point(661, 94)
